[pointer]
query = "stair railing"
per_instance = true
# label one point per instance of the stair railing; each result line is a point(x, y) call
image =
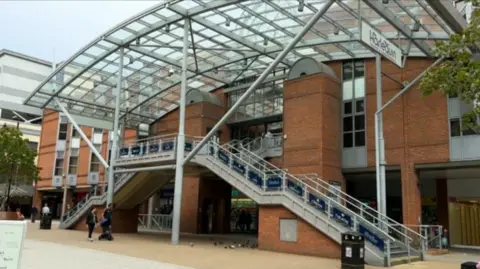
point(308, 194)
point(404, 233)
point(409, 237)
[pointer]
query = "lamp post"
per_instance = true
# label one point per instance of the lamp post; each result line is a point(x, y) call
point(64, 202)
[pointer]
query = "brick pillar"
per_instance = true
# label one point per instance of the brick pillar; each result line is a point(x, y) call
point(411, 202)
point(442, 202)
point(125, 220)
point(311, 120)
point(190, 205)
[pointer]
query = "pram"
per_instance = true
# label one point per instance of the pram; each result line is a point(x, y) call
point(106, 233)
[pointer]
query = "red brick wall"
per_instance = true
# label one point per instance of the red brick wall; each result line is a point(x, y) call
point(309, 240)
point(46, 155)
point(311, 122)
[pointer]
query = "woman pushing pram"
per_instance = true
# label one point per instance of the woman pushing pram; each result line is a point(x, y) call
point(106, 224)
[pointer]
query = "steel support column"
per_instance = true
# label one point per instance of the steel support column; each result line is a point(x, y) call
point(113, 155)
point(150, 211)
point(82, 134)
point(177, 198)
point(379, 140)
point(261, 78)
point(379, 147)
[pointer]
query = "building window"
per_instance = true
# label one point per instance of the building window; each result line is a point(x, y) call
point(33, 146)
point(75, 134)
point(62, 129)
point(72, 165)
point(94, 161)
point(457, 129)
point(59, 162)
point(353, 86)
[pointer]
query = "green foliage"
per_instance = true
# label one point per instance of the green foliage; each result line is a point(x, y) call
point(17, 160)
point(459, 74)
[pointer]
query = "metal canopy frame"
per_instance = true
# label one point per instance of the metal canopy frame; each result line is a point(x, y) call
point(229, 41)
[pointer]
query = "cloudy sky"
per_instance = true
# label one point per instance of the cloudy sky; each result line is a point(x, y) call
point(38, 28)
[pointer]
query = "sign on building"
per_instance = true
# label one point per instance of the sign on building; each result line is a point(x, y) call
point(381, 44)
point(12, 235)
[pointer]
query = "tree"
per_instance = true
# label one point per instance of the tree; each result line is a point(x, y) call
point(459, 74)
point(17, 160)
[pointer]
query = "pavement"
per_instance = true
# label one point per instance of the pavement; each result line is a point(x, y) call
point(46, 255)
point(54, 249)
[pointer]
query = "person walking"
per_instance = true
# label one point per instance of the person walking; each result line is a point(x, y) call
point(34, 213)
point(92, 221)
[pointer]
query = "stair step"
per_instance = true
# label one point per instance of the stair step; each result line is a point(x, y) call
point(404, 260)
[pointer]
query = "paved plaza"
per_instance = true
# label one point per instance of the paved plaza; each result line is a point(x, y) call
point(53, 249)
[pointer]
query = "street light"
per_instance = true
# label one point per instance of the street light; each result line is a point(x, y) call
point(64, 203)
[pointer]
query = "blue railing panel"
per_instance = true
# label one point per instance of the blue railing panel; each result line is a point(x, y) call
point(124, 151)
point(342, 217)
point(166, 146)
point(255, 178)
point(223, 157)
point(295, 188)
point(238, 167)
point(371, 237)
point(274, 182)
point(317, 202)
point(136, 150)
point(154, 148)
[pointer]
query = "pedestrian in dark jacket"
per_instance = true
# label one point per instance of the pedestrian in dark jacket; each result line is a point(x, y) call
point(91, 222)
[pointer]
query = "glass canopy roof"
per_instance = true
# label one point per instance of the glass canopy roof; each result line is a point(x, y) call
point(229, 40)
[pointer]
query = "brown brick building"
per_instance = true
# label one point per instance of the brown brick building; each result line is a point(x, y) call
point(326, 121)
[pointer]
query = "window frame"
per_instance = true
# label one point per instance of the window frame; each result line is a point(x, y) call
point(353, 103)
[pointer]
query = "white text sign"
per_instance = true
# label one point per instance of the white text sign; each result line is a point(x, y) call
point(12, 234)
point(380, 44)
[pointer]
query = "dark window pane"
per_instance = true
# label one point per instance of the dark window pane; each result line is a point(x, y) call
point(347, 71)
point(347, 140)
point(347, 108)
point(359, 106)
point(360, 122)
point(454, 127)
point(63, 127)
point(347, 124)
point(359, 69)
point(62, 136)
point(33, 145)
point(360, 139)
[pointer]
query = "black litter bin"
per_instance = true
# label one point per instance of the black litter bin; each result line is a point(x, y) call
point(469, 265)
point(46, 222)
point(353, 251)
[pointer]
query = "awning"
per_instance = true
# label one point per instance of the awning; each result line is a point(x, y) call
point(230, 40)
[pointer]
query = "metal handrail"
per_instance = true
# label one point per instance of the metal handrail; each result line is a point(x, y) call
point(330, 200)
point(70, 214)
point(362, 211)
point(317, 179)
point(148, 139)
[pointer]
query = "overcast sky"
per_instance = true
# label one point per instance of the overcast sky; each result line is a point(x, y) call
point(37, 28)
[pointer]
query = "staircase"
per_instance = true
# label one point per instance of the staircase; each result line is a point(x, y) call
point(332, 212)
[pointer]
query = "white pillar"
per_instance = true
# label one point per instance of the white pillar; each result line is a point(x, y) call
point(379, 146)
point(116, 118)
point(177, 199)
point(150, 211)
